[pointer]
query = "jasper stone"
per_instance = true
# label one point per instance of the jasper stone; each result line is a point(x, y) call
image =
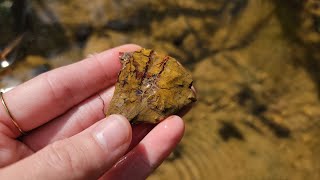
point(150, 87)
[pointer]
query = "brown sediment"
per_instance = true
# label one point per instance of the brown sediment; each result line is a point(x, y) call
point(255, 65)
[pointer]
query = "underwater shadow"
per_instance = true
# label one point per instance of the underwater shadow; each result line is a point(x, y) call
point(229, 131)
point(289, 17)
point(247, 99)
point(44, 34)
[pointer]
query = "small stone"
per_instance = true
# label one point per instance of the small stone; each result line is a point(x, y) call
point(150, 87)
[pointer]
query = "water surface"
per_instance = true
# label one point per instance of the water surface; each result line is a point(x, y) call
point(256, 65)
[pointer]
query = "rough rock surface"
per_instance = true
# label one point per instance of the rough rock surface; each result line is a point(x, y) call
point(150, 87)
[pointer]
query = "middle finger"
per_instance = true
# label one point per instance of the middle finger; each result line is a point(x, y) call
point(72, 122)
point(78, 119)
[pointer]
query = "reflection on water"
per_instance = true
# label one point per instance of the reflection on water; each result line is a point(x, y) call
point(256, 65)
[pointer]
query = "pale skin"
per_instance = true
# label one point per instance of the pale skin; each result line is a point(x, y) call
point(68, 135)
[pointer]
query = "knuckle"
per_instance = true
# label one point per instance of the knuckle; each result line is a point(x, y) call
point(66, 157)
point(59, 157)
point(57, 89)
point(100, 67)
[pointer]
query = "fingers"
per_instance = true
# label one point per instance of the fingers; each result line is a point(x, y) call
point(85, 155)
point(150, 152)
point(12, 150)
point(139, 131)
point(74, 121)
point(54, 92)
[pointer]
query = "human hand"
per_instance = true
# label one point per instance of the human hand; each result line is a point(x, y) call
point(68, 134)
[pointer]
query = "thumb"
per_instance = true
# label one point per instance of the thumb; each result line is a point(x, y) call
point(88, 154)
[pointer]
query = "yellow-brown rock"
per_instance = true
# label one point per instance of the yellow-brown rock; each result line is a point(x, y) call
point(150, 87)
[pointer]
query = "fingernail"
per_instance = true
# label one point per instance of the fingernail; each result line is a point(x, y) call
point(113, 132)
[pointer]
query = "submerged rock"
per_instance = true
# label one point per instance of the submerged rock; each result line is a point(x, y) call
point(150, 87)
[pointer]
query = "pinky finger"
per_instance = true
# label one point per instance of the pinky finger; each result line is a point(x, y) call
point(140, 162)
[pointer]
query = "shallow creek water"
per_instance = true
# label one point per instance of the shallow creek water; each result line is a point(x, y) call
point(255, 63)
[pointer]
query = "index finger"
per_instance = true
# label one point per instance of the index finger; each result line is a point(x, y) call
point(47, 96)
